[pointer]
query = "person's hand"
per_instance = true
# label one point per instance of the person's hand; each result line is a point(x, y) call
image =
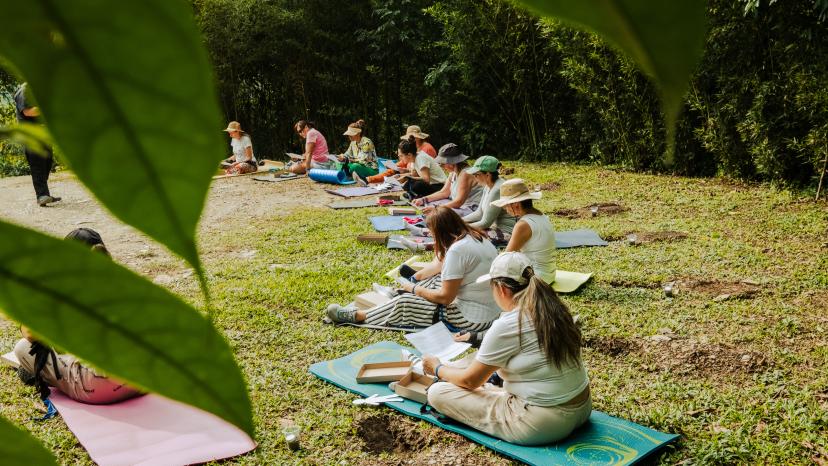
point(408, 286)
point(307, 165)
point(429, 363)
point(462, 337)
point(428, 209)
point(419, 201)
point(341, 157)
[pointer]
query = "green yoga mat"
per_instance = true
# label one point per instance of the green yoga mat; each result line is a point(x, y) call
point(568, 282)
point(604, 440)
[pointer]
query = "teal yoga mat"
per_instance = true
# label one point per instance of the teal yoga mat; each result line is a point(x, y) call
point(329, 176)
point(605, 440)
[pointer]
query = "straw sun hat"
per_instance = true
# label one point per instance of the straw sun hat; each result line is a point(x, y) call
point(352, 131)
point(233, 126)
point(515, 190)
point(415, 131)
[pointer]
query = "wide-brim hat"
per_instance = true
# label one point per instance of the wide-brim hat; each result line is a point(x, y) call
point(450, 154)
point(233, 126)
point(513, 191)
point(415, 131)
point(352, 131)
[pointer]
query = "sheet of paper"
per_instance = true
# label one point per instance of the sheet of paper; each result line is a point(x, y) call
point(332, 158)
point(293, 156)
point(437, 340)
point(391, 166)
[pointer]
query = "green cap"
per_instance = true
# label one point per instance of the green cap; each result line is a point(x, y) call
point(487, 163)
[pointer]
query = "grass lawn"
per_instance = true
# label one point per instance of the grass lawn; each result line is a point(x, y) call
point(737, 362)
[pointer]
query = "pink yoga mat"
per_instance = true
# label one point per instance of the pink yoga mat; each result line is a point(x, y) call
point(150, 430)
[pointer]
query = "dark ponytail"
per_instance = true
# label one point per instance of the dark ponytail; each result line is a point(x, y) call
point(409, 146)
point(558, 336)
point(302, 124)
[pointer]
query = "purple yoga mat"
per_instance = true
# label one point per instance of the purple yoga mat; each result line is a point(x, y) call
point(360, 191)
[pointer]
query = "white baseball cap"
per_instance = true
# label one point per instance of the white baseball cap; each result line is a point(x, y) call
point(508, 265)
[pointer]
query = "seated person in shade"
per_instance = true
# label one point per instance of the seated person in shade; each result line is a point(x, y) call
point(242, 161)
point(497, 222)
point(535, 348)
point(41, 367)
point(361, 158)
point(533, 234)
point(420, 138)
point(447, 289)
point(461, 189)
point(424, 175)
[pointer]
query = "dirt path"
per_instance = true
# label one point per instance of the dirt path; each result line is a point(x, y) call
point(230, 201)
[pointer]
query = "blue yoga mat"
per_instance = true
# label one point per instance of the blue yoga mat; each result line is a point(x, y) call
point(329, 176)
point(604, 440)
point(577, 238)
point(389, 222)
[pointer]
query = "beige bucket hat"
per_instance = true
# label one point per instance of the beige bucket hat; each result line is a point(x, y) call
point(352, 131)
point(515, 190)
point(233, 126)
point(415, 131)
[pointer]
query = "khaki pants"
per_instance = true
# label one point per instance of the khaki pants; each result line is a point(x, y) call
point(500, 414)
point(76, 381)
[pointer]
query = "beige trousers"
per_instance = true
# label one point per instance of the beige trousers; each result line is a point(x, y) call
point(76, 381)
point(500, 414)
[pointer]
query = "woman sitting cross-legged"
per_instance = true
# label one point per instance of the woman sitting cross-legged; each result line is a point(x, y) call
point(535, 347)
point(242, 161)
point(447, 290)
point(424, 175)
point(461, 189)
point(497, 222)
point(41, 367)
point(533, 234)
point(361, 158)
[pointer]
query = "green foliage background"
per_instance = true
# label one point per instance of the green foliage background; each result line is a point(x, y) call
point(491, 76)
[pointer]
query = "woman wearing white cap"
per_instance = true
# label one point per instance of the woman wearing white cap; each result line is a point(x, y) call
point(535, 347)
point(533, 234)
point(361, 157)
point(242, 160)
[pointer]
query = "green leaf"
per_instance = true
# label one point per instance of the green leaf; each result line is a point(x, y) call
point(666, 38)
point(35, 137)
point(127, 92)
point(88, 305)
point(17, 448)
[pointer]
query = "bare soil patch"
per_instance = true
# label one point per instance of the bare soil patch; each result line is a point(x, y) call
point(548, 186)
point(627, 283)
point(643, 237)
point(409, 443)
point(720, 290)
point(668, 352)
point(592, 210)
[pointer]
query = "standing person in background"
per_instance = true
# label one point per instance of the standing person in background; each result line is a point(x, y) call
point(361, 158)
point(242, 161)
point(316, 149)
point(39, 164)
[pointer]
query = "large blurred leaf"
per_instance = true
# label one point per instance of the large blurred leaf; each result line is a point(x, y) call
point(17, 448)
point(127, 91)
point(92, 307)
point(665, 37)
point(34, 137)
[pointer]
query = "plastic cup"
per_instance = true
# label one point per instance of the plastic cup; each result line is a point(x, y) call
point(292, 437)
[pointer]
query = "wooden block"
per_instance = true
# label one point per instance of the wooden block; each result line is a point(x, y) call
point(395, 272)
point(402, 211)
point(383, 372)
point(370, 299)
point(413, 386)
point(378, 238)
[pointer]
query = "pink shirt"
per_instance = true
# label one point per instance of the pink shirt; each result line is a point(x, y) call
point(320, 149)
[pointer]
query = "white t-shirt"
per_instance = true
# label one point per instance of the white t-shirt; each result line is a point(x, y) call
point(525, 371)
point(423, 160)
point(469, 259)
point(540, 248)
point(240, 146)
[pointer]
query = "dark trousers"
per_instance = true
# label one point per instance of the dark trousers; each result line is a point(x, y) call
point(419, 188)
point(41, 166)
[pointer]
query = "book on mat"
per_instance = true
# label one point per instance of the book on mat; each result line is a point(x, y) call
point(370, 299)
